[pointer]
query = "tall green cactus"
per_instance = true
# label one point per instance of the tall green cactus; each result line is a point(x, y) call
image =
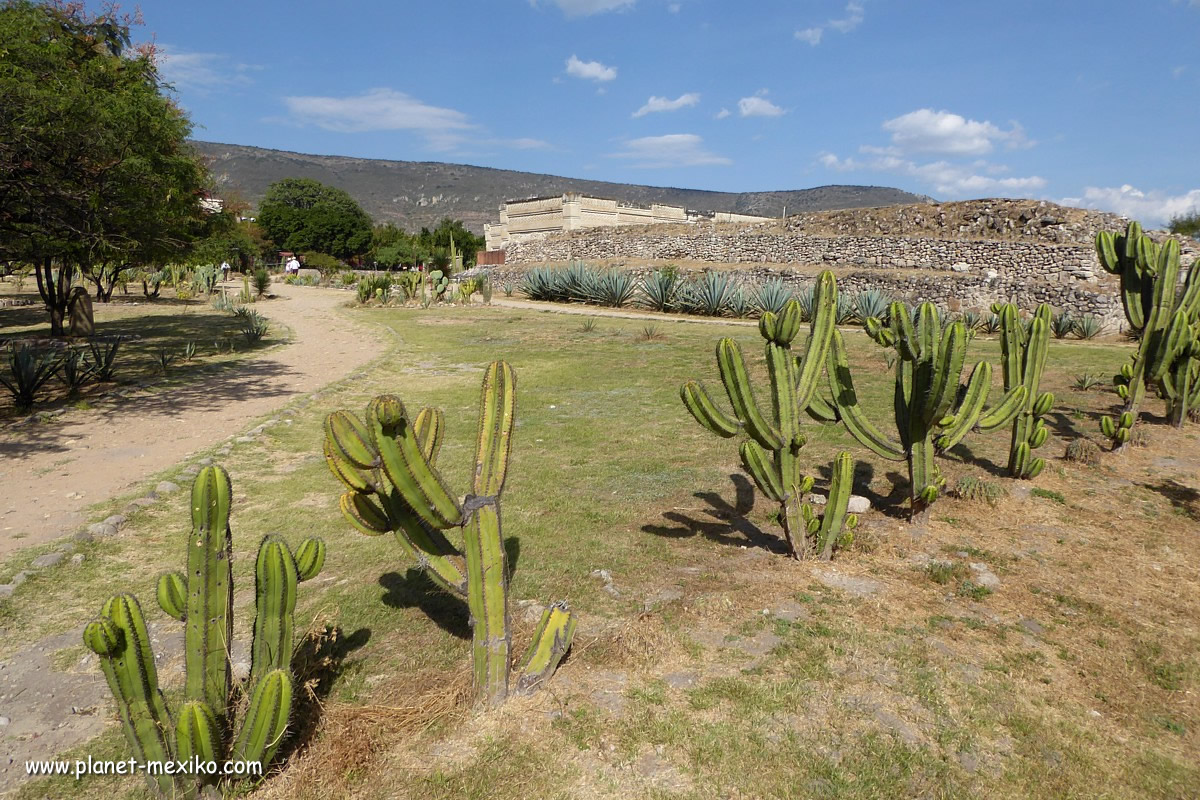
point(931, 413)
point(771, 451)
point(386, 461)
point(1166, 320)
point(202, 599)
point(1023, 357)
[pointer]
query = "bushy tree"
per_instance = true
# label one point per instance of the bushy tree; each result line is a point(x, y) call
point(301, 214)
point(1186, 224)
point(96, 175)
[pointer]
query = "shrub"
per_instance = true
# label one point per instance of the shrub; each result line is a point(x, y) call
point(321, 261)
point(1083, 451)
point(262, 282)
point(979, 490)
point(374, 287)
point(28, 372)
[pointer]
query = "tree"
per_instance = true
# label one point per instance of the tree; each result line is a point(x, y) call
point(1186, 224)
point(96, 175)
point(301, 214)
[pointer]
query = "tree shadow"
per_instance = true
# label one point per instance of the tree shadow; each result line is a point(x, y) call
point(317, 663)
point(1182, 498)
point(414, 589)
point(726, 523)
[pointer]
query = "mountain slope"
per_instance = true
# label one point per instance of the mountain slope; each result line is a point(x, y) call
point(413, 194)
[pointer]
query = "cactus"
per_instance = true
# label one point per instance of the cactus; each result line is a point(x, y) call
point(387, 464)
point(836, 527)
point(439, 284)
point(770, 453)
point(1023, 355)
point(1166, 320)
point(202, 599)
point(931, 413)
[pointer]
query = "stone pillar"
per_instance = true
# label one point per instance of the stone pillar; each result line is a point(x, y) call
point(79, 313)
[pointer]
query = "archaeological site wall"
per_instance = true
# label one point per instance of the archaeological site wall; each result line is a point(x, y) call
point(998, 251)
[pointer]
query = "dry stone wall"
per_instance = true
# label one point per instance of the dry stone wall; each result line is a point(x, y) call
point(1046, 258)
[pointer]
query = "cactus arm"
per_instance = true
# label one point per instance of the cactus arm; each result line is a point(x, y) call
point(425, 545)
point(737, 386)
point(405, 465)
point(846, 400)
point(352, 438)
point(705, 411)
point(840, 485)
point(120, 639)
point(172, 595)
point(781, 368)
point(765, 473)
point(550, 643)
point(209, 621)
point(946, 376)
point(364, 513)
point(350, 475)
point(903, 332)
point(310, 557)
point(197, 734)
point(968, 411)
point(922, 473)
point(1004, 412)
point(816, 352)
point(487, 600)
point(1011, 352)
point(497, 415)
point(266, 719)
point(275, 582)
point(821, 409)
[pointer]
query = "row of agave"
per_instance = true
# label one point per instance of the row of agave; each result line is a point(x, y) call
point(717, 294)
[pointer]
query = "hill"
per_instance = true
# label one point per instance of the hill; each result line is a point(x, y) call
point(413, 194)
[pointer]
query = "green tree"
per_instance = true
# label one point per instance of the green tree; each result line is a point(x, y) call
point(301, 214)
point(437, 241)
point(96, 175)
point(1186, 224)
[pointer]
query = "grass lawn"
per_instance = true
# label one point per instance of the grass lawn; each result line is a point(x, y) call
point(711, 665)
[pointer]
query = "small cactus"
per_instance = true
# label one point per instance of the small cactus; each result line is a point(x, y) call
point(386, 462)
point(202, 599)
point(1023, 357)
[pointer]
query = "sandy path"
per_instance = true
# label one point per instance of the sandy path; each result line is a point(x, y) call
point(51, 473)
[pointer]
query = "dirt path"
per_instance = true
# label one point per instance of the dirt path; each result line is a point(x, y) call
point(52, 473)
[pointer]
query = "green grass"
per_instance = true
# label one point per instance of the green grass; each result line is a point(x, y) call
point(856, 699)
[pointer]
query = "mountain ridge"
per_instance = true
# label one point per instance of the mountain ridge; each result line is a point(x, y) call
point(415, 194)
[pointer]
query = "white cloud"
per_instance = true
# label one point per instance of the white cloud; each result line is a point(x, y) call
point(854, 17)
point(723, 113)
point(674, 8)
point(953, 180)
point(1177, 72)
point(382, 110)
point(811, 35)
point(590, 70)
point(526, 143)
point(759, 106)
point(585, 8)
point(929, 131)
point(672, 150)
point(201, 72)
point(1152, 208)
point(658, 104)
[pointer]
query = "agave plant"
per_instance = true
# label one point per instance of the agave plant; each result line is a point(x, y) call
point(871, 303)
point(991, 324)
point(1087, 381)
point(973, 320)
point(1061, 325)
point(76, 370)
point(538, 284)
point(741, 304)
point(711, 294)
point(28, 372)
point(658, 290)
point(1087, 327)
point(807, 298)
point(772, 296)
point(846, 312)
point(614, 288)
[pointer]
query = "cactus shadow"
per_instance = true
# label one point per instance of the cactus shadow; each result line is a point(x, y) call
point(318, 662)
point(1183, 498)
point(966, 455)
point(894, 504)
point(414, 589)
point(722, 521)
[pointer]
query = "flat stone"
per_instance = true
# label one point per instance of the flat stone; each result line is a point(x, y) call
point(142, 502)
point(46, 560)
point(858, 504)
point(21, 577)
point(984, 576)
point(116, 520)
point(790, 611)
point(78, 559)
point(244, 439)
point(662, 598)
point(968, 761)
point(681, 680)
point(859, 587)
point(6, 590)
point(166, 487)
point(102, 529)
point(83, 536)
point(205, 462)
point(1033, 626)
point(906, 732)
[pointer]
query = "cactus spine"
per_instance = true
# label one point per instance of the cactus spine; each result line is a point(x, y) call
point(202, 599)
point(387, 465)
point(931, 414)
point(770, 453)
point(1167, 321)
point(1023, 356)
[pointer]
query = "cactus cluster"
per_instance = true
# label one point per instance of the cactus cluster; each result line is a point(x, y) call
point(931, 413)
point(1167, 321)
point(1023, 357)
point(439, 284)
point(386, 461)
point(202, 598)
point(771, 450)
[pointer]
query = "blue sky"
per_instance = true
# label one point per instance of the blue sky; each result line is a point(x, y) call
point(1088, 102)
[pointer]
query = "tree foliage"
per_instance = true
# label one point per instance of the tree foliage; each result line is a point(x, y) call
point(392, 247)
point(1186, 224)
point(96, 175)
point(301, 214)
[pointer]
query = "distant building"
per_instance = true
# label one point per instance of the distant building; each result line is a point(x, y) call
point(521, 220)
